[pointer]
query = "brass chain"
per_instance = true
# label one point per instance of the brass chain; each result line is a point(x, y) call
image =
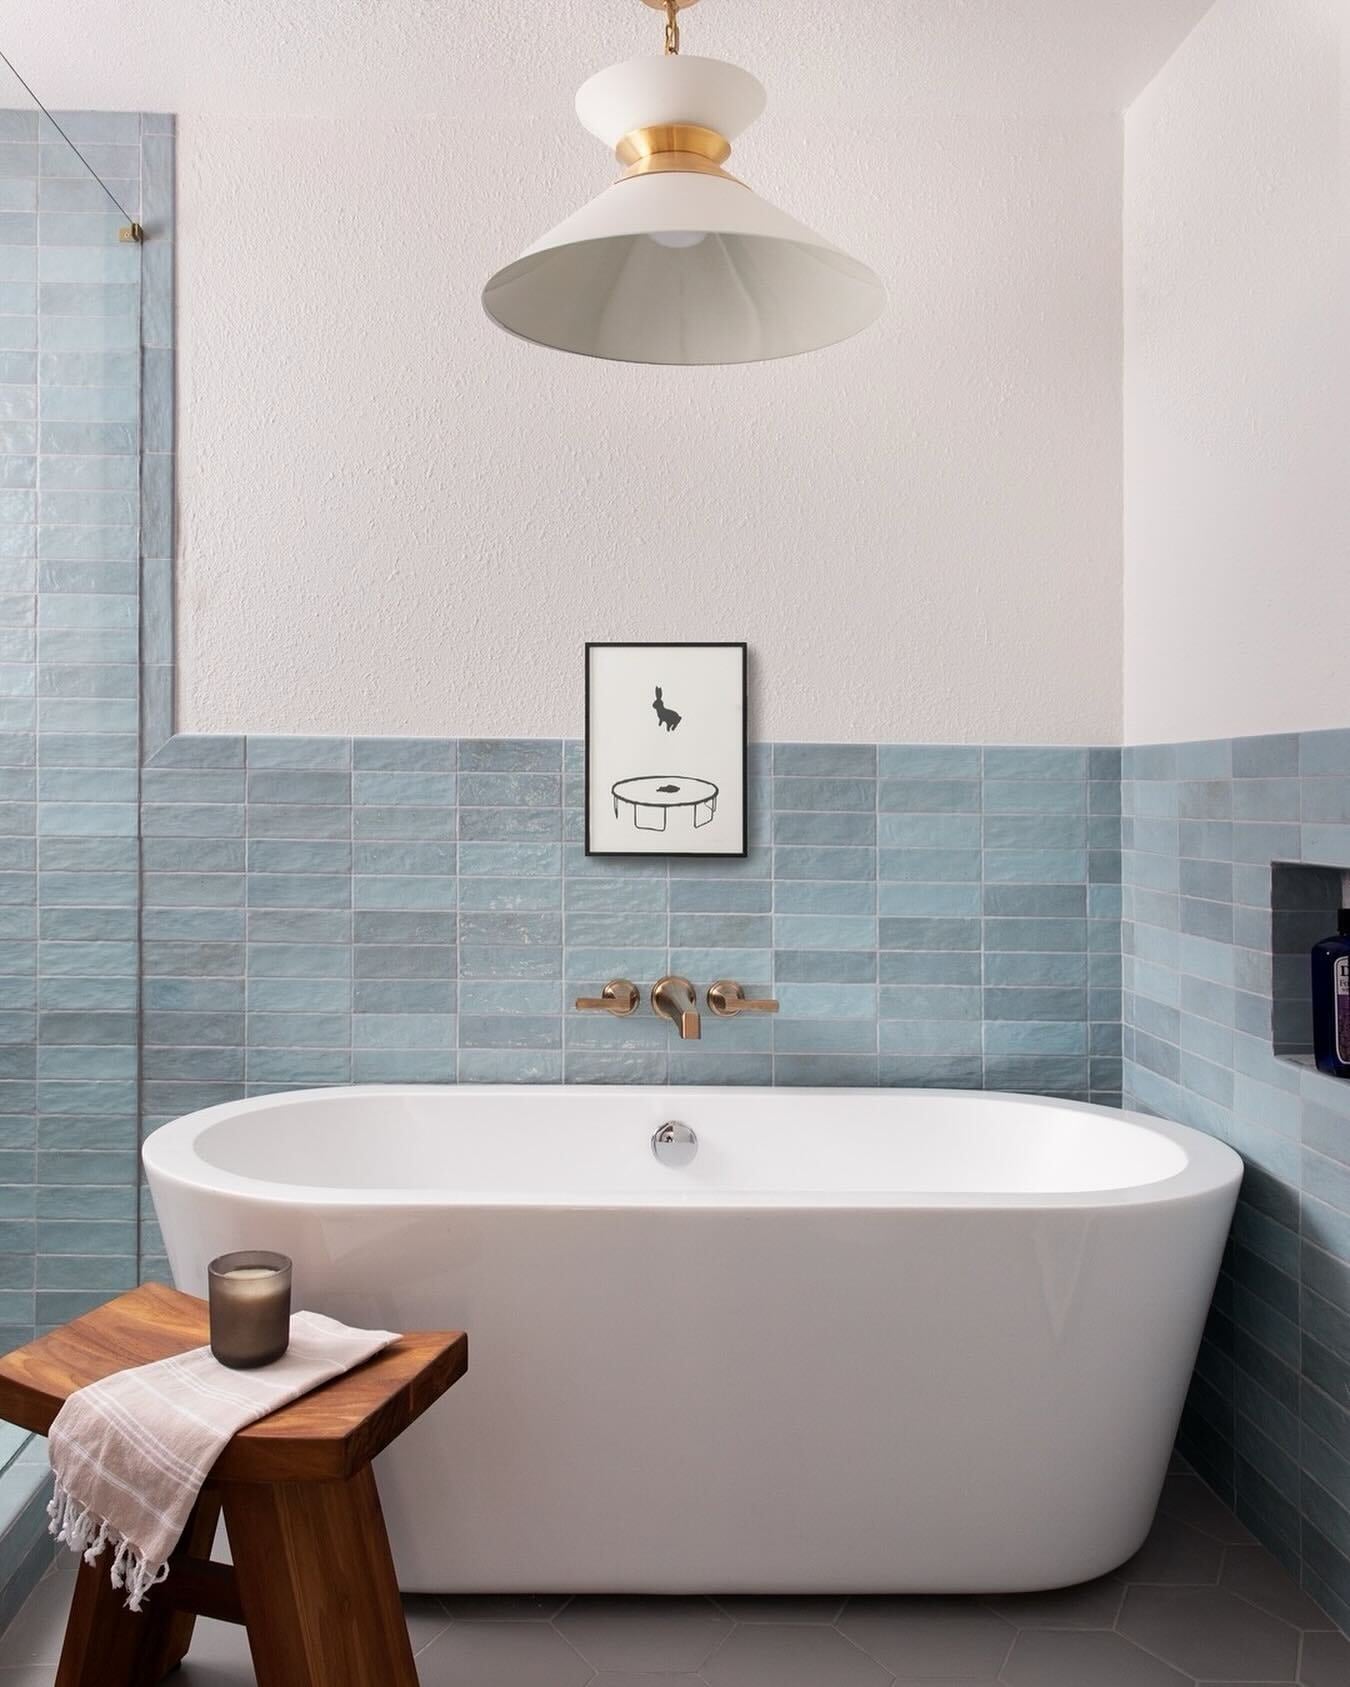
point(672, 26)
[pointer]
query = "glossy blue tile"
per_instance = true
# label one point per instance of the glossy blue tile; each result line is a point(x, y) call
point(817, 896)
point(933, 796)
point(403, 788)
point(836, 761)
point(906, 898)
point(829, 864)
point(929, 866)
point(309, 754)
point(829, 794)
point(824, 828)
point(407, 755)
point(929, 761)
point(928, 934)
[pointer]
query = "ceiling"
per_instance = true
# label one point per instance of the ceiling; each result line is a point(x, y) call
point(520, 59)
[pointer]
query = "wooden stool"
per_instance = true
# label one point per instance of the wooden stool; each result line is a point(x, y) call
point(313, 1580)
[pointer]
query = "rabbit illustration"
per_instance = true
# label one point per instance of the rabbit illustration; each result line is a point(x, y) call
point(667, 717)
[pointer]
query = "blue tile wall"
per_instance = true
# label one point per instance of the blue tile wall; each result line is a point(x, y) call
point(322, 911)
point(1268, 1421)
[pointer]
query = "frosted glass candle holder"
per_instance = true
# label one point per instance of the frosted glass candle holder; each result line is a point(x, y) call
point(250, 1301)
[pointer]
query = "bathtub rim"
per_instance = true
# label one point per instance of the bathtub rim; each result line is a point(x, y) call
point(169, 1155)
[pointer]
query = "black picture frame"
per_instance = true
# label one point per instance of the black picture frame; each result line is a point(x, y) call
point(680, 854)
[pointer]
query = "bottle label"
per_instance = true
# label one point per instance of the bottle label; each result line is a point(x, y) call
point(1340, 983)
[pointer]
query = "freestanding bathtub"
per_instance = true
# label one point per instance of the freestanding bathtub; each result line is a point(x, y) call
point(869, 1340)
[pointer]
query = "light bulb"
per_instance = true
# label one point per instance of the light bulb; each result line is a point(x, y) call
point(679, 238)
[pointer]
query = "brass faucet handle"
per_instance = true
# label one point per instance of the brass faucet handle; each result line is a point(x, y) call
point(618, 997)
point(726, 998)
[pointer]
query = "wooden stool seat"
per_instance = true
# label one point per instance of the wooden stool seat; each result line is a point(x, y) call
point(313, 1581)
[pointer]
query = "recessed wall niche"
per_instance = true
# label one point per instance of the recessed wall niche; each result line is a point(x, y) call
point(1304, 902)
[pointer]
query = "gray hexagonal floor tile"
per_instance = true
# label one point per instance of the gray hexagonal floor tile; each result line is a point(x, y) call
point(1210, 1633)
point(427, 1618)
point(1252, 1572)
point(791, 1655)
point(1326, 1660)
point(1187, 1498)
point(1089, 1605)
point(918, 1638)
point(504, 1607)
point(638, 1678)
point(674, 1635)
point(486, 1654)
point(1081, 1658)
point(780, 1608)
point(1174, 1554)
point(36, 1633)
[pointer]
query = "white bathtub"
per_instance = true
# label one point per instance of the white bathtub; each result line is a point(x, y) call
point(869, 1340)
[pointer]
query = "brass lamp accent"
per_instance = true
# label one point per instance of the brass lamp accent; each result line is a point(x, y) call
point(674, 146)
point(672, 9)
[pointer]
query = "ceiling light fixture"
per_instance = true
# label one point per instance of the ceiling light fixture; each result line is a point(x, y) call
point(677, 261)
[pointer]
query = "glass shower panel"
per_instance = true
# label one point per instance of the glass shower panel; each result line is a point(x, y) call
point(70, 338)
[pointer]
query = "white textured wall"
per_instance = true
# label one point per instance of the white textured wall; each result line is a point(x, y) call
point(394, 518)
point(1237, 380)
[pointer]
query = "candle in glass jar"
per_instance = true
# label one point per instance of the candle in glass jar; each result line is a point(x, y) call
point(250, 1302)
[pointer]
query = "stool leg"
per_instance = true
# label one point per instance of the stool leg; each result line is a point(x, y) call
point(196, 1542)
point(317, 1584)
point(108, 1646)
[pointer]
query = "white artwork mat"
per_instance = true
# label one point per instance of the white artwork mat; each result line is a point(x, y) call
point(666, 749)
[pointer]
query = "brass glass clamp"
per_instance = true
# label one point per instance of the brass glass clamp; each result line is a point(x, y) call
point(726, 998)
point(618, 997)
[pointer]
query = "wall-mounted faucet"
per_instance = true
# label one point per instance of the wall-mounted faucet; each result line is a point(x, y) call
point(676, 999)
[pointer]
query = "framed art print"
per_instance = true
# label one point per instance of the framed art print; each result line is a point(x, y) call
point(665, 749)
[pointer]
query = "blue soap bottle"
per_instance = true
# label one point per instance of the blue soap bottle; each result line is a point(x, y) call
point(1331, 999)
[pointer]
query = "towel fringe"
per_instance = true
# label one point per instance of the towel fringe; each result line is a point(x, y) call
point(84, 1532)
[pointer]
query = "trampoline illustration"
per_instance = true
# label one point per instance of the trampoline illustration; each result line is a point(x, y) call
point(653, 797)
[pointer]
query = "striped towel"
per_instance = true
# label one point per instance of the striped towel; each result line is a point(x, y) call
point(131, 1452)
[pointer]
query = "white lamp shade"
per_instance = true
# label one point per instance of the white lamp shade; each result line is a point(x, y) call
point(677, 266)
point(675, 88)
point(758, 284)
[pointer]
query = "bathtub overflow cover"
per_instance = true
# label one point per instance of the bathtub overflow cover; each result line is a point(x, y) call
point(674, 1144)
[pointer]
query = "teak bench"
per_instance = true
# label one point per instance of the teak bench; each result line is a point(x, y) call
point(313, 1579)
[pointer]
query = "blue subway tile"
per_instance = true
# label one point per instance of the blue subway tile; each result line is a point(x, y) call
point(929, 831)
point(396, 788)
point(903, 897)
point(926, 934)
point(510, 755)
point(826, 863)
point(837, 761)
point(831, 795)
point(828, 1001)
point(816, 896)
point(309, 754)
point(806, 931)
point(929, 866)
point(825, 966)
point(934, 796)
point(929, 761)
point(929, 967)
point(805, 827)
